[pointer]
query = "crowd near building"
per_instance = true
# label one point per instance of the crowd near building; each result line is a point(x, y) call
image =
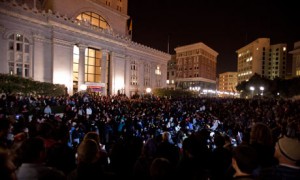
point(111, 134)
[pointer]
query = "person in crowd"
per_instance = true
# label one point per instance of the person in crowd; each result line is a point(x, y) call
point(167, 149)
point(33, 158)
point(103, 155)
point(161, 169)
point(193, 162)
point(142, 164)
point(47, 110)
point(244, 162)
point(87, 166)
point(60, 155)
point(5, 128)
point(261, 141)
point(7, 167)
point(221, 158)
point(287, 152)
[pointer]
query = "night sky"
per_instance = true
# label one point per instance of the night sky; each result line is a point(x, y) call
point(224, 26)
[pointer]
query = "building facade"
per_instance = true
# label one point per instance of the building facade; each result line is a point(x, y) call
point(196, 66)
point(171, 72)
point(78, 43)
point(227, 82)
point(262, 58)
point(296, 59)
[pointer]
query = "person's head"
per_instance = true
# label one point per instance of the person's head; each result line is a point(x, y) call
point(92, 135)
point(287, 150)
point(87, 152)
point(244, 159)
point(261, 134)
point(149, 148)
point(219, 140)
point(166, 137)
point(33, 150)
point(160, 168)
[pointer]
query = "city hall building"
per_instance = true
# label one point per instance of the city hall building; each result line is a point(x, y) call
point(79, 43)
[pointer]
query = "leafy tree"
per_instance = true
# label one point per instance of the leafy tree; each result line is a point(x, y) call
point(16, 84)
point(285, 87)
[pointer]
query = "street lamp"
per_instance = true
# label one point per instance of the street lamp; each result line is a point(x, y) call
point(252, 90)
point(148, 90)
point(262, 90)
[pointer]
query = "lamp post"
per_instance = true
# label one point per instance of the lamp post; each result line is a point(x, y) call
point(252, 90)
point(262, 90)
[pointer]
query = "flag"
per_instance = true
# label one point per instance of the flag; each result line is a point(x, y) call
point(130, 28)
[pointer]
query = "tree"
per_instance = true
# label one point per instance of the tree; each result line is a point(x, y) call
point(16, 84)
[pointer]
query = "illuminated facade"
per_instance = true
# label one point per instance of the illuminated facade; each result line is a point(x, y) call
point(227, 82)
point(171, 72)
point(78, 43)
point(296, 59)
point(262, 58)
point(196, 66)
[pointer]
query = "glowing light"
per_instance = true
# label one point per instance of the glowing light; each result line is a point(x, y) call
point(83, 87)
point(119, 83)
point(148, 90)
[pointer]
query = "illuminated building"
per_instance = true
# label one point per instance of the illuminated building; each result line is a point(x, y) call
point(171, 73)
point(227, 82)
point(296, 59)
point(262, 58)
point(78, 43)
point(196, 66)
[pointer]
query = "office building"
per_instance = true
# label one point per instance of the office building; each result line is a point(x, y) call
point(227, 82)
point(261, 58)
point(171, 72)
point(196, 67)
point(296, 59)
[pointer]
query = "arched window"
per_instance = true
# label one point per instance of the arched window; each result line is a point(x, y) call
point(94, 19)
point(19, 55)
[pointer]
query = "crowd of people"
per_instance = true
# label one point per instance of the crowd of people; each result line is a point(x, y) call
point(113, 137)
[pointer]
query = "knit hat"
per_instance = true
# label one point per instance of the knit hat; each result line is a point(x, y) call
point(290, 148)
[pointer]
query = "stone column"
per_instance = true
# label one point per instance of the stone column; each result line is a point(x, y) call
point(127, 75)
point(81, 66)
point(105, 70)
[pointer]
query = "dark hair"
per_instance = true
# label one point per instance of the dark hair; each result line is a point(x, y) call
point(31, 149)
point(261, 134)
point(246, 158)
point(219, 140)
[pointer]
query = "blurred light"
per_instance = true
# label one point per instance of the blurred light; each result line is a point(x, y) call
point(148, 90)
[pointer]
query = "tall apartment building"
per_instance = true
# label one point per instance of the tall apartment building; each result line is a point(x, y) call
point(262, 58)
point(78, 43)
point(196, 66)
point(228, 82)
point(171, 72)
point(296, 59)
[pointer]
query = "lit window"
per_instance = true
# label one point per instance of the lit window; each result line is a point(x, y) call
point(19, 61)
point(133, 73)
point(92, 65)
point(93, 19)
point(157, 71)
point(284, 48)
point(147, 74)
